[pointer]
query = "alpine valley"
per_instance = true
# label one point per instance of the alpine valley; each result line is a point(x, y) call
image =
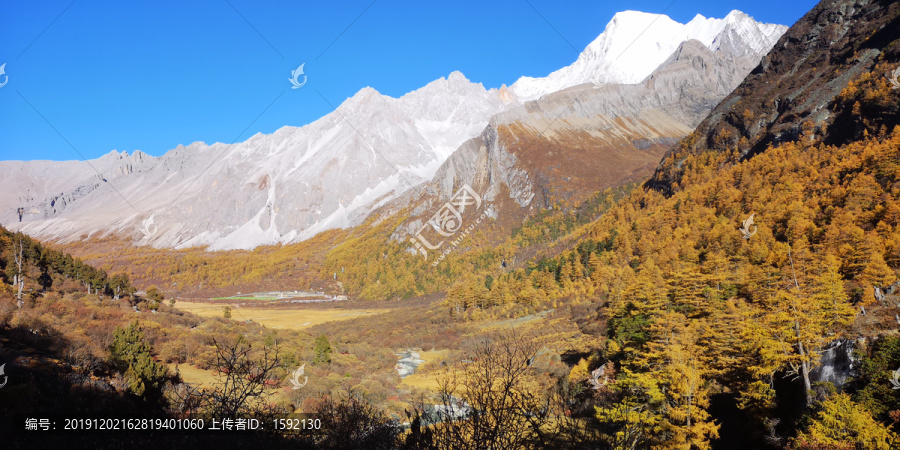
point(688, 238)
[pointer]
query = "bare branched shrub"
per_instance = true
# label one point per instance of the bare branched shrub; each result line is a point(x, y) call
point(246, 385)
point(494, 399)
point(352, 422)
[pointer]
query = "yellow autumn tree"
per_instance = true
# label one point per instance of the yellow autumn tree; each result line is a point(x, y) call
point(674, 372)
point(841, 423)
point(801, 322)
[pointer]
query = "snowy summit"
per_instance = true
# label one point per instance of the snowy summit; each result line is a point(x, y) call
point(635, 43)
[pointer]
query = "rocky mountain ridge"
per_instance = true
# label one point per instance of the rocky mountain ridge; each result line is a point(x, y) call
point(795, 90)
point(570, 144)
point(634, 44)
point(287, 186)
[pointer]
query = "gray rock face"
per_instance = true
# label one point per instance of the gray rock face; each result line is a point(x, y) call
point(794, 91)
point(581, 139)
point(270, 189)
point(837, 363)
point(46, 188)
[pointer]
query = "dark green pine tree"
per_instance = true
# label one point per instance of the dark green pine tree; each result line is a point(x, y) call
point(323, 350)
point(131, 354)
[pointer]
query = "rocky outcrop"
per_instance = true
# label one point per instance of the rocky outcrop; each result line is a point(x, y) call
point(45, 189)
point(573, 143)
point(796, 85)
point(837, 363)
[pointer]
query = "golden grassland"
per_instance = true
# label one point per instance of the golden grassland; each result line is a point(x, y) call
point(530, 320)
point(194, 375)
point(425, 376)
point(207, 379)
point(293, 319)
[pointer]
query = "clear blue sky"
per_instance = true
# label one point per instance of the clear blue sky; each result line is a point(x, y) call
point(104, 75)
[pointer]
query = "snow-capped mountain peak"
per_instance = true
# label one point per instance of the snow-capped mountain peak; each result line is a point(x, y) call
point(286, 186)
point(635, 43)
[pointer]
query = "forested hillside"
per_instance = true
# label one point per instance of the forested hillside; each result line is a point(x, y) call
point(712, 320)
point(30, 268)
point(721, 291)
point(791, 95)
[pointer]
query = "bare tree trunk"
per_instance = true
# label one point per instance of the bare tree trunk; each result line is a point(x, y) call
point(19, 284)
point(791, 258)
point(690, 402)
point(19, 277)
point(804, 365)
